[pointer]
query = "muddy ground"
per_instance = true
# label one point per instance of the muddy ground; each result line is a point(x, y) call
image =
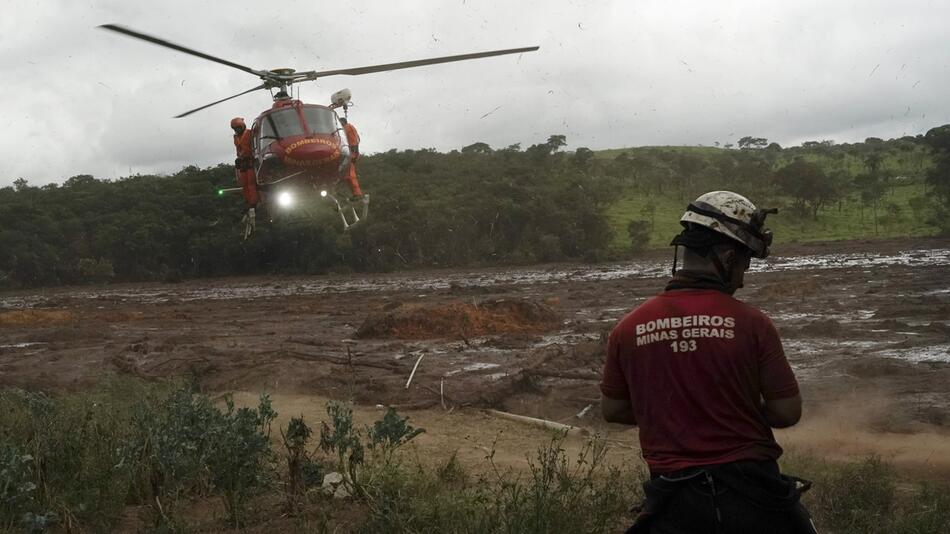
point(866, 326)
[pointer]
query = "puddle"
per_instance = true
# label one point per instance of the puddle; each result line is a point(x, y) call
point(436, 281)
point(930, 353)
point(565, 338)
point(477, 366)
point(794, 316)
point(23, 345)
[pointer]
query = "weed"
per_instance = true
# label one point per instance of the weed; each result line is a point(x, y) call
point(301, 470)
point(18, 493)
point(556, 496)
point(59, 458)
point(452, 471)
point(241, 458)
point(390, 433)
point(866, 497)
point(183, 445)
point(74, 462)
point(342, 438)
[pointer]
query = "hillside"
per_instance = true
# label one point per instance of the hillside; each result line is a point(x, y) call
point(474, 206)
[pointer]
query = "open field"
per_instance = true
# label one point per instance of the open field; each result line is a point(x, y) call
point(849, 219)
point(866, 326)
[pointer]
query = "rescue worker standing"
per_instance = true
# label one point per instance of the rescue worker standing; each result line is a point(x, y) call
point(705, 378)
point(352, 139)
point(244, 165)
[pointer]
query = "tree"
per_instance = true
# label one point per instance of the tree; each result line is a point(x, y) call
point(639, 233)
point(749, 142)
point(808, 184)
point(477, 148)
point(555, 142)
point(939, 176)
point(582, 156)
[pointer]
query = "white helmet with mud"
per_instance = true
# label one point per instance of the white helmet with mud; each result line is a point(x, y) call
point(733, 216)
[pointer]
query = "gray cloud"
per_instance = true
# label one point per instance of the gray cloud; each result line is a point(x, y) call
point(74, 99)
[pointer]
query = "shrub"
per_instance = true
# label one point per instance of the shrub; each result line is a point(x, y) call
point(639, 233)
point(556, 496)
point(182, 444)
point(58, 458)
point(385, 436)
point(301, 470)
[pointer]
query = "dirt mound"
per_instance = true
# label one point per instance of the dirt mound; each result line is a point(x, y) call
point(32, 317)
point(458, 319)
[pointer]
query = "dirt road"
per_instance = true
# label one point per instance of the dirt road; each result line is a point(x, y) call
point(865, 325)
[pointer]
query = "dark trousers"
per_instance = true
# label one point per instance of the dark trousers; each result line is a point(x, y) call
point(735, 498)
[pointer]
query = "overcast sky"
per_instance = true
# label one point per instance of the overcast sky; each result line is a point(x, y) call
point(78, 100)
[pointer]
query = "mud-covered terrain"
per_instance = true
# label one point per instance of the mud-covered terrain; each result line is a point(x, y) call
point(865, 325)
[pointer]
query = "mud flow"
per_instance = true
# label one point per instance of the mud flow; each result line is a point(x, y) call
point(866, 327)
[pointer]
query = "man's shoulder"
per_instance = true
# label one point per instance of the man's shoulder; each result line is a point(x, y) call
point(705, 301)
point(750, 310)
point(645, 309)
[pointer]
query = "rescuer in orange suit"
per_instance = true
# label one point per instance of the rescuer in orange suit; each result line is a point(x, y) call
point(352, 139)
point(244, 164)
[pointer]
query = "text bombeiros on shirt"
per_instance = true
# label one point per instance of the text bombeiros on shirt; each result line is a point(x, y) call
point(687, 327)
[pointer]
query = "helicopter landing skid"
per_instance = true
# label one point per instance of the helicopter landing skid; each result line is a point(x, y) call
point(356, 218)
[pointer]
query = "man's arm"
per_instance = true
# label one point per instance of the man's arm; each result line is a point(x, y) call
point(782, 413)
point(782, 401)
point(617, 410)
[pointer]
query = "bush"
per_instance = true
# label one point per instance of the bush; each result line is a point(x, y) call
point(863, 498)
point(75, 462)
point(58, 458)
point(182, 444)
point(557, 496)
point(639, 233)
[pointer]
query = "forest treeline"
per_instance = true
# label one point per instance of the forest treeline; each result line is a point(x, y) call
point(474, 206)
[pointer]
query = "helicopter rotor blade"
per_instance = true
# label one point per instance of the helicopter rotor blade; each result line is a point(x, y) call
point(185, 114)
point(161, 42)
point(312, 75)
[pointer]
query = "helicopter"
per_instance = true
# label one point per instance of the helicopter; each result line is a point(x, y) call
point(300, 150)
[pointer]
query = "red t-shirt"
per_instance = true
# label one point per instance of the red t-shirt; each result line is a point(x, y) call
point(695, 365)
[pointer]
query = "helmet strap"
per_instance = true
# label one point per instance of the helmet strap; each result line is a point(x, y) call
point(724, 274)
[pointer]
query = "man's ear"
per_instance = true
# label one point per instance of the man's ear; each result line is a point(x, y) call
point(728, 258)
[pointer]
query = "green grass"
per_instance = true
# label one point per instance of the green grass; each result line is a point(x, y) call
point(868, 497)
point(78, 462)
point(853, 220)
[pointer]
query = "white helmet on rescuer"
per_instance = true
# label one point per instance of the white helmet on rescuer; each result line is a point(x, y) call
point(734, 216)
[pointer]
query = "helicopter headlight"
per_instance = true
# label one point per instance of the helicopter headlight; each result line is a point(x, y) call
point(323, 193)
point(285, 199)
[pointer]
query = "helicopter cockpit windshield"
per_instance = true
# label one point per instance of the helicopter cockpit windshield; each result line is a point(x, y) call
point(280, 124)
point(319, 120)
point(286, 123)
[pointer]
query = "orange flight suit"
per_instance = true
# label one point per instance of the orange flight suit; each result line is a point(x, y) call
point(244, 164)
point(353, 139)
